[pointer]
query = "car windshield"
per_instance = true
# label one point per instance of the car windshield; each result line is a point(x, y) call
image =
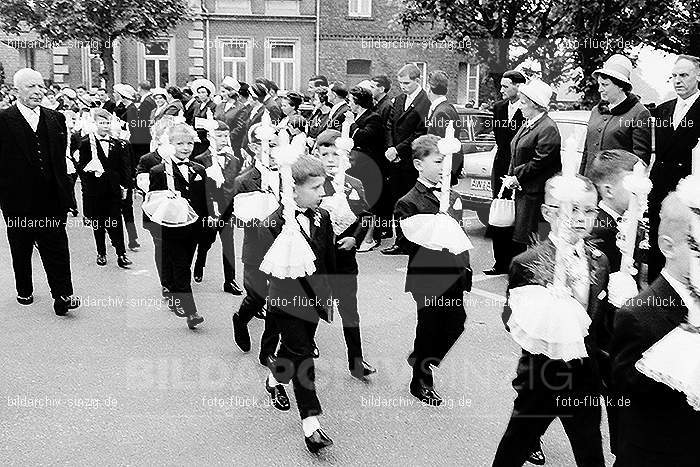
point(569, 129)
point(476, 128)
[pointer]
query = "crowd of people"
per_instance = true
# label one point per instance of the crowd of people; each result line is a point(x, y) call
point(310, 186)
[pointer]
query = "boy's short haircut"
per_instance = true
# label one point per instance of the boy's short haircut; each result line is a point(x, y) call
point(588, 185)
point(410, 70)
point(327, 138)
point(425, 145)
point(306, 167)
point(100, 112)
point(383, 81)
point(609, 164)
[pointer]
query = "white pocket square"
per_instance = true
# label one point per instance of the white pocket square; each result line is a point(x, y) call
point(353, 195)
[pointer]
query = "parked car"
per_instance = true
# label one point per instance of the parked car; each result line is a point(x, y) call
point(475, 130)
point(475, 183)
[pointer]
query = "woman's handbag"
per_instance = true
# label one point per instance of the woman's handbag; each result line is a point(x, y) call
point(502, 211)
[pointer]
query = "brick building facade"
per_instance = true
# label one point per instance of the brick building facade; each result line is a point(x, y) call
point(280, 39)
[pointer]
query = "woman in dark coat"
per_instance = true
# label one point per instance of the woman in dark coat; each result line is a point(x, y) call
point(619, 121)
point(536, 157)
point(319, 118)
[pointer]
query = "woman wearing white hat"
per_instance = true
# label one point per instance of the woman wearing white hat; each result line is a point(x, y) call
point(204, 108)
point(619, 121)
point(166, 103)
point(536, 157)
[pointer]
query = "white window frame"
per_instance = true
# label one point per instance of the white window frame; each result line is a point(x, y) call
point(470, 68)
point(296, 60)
point(142, 57)
point(282, 7)
point(360, 8)
point(423, 67)
point(220, 59)
point(239, 7)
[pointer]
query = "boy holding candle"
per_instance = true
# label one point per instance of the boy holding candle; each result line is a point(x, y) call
point(436, 279)
point(345, 281)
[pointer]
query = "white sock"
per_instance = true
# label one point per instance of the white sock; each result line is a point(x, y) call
point(271, 381)
point(309, 425)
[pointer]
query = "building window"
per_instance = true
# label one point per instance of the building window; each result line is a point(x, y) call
point(423, 67)
point(361, 8)
point(240, 7)
point(236, 58)
point(157, 63)
point(93, 68)
point(283, 63)
point(468, 84)
point(282, 7)
point(359, 67)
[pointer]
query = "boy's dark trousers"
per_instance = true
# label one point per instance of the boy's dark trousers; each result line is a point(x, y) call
point(178, 246)
point(112, 227)
point(547, 389)
point(295, 361)
point(207, 238)
point(437, 330)
point(127, 208)
point(255, 285)
point(344, 284)
point(156, 232)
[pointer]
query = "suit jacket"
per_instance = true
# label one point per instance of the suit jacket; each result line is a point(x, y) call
point(336, 119)
point(239, 128)
point(673, 149)
point(404, 126)
point(521, 273)
point(285, 294)
point(437, 125)
point(227, 116)
point(109, 106)
point(223, 196)
point(199, 112)
point(193, 189)
point(383, 109)
point(20, 179)
point(256, 238)
point(432, 272)
point(189, 111)
point(368, 133)
point(317, 123)
point(626, 126)
point(345, 260)
point(535, 158)
point(141, 128)
point(275, 111)
point(503, 130)
point(102, 195)
point(658, 423)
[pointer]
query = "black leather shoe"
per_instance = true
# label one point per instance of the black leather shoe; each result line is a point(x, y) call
point(177, 310)
point(393, 250)
point(101, 260)
point(134, 246)
point(317, 441)
point(198, 274)
point(260, 314)
point(240, 333)
point(232, 288)
point(62, 305)
point(537, 456)
point(314, 352)
point(494, 272)
point(74, 212)
point(194, 320)
point(363, 371)
point(278, 396)
point(426, 394)
point(266, 360)
point(25, 300)
point(123, 262)
point(164, 291)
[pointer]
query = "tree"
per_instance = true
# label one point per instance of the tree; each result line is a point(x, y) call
point(94, 21)
point(679, 31)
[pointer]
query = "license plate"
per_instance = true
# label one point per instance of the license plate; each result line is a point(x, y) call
point(480, 184)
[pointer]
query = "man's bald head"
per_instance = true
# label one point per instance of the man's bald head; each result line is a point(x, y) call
point(30, 87)
point(675, 218)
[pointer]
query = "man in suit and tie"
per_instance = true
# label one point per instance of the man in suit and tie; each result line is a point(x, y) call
point(337, 97)
point(35, 190)
point(105, 101)
point(406, 123)
point(507, 120)
point(381, 84)
point(188, 103)
point(239, 122)
point(656, 424)
point(441, 113)
point(677, 133)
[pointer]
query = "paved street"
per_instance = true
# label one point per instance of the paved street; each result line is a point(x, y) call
point(123, 381)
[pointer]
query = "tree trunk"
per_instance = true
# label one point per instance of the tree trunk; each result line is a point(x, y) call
point(106, 54)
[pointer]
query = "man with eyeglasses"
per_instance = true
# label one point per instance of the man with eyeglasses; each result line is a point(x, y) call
point(677, 133)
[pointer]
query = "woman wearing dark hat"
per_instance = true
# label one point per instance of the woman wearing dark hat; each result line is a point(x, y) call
point(619, 121)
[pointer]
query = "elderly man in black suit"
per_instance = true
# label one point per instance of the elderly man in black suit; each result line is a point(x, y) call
point(507, 120)
point(35, 190)
point(441, 113)
point(405, 124)
point(656, 425)
point(535, 158)
point(677, 133)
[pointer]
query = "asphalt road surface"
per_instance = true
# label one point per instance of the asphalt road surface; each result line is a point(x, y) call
point(123, 381)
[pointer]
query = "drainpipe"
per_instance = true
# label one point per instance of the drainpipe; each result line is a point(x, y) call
point(206, 37)
point(318, 36)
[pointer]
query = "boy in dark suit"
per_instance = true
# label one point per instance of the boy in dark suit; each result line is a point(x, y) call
point(222, 193)
point(436, 279)
point(656, 424)
point(295, 305)
point(543, 383)
point(178, 243)
point(344, 283)
point(104, 191)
